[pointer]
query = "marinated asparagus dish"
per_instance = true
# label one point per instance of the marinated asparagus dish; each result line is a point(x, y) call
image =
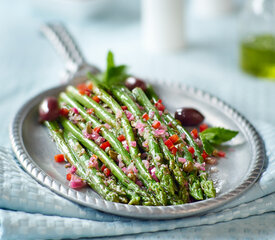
point(116, 136)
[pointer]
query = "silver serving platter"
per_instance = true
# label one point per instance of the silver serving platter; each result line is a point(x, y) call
point(233, 175)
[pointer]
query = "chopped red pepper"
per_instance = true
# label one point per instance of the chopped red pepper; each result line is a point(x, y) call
point(204, 154)
point(88, 92)
point(194, 133)
point(96, 99)
point(159, 105)
point(59, 158)
point(90, 111)
point(107, 172)
point(174, 150)
point(104, 145)
point(203, 127)
point(145, 116)
point(103, 167)
point(89, 86)
point(124, 108)
point(69, 176)
point(156, 124)
point(84, 88)
point(221, 154)
point(174, 138)
point(64, 112)
point(121, 138)
point(81, 88)
point(169, 144)
point(191, 149)
point(97, 129)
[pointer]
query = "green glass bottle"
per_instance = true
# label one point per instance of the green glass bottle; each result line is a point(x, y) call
point(257, 43)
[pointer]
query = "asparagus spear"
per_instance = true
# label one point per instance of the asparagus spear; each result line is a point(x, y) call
point(206, 185)
point(86, 101)
point(68, 126)
point(114, 142)
point(84, 159)
point(162, 172)
point(130, 138)
point(90, 175)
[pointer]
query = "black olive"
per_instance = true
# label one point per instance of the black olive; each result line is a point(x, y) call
point(48, 109)
point(133, 82)
point(189, 116)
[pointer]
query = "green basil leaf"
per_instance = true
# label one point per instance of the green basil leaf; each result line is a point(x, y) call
point(207, 146)
point(110, 60)
point(218, 135)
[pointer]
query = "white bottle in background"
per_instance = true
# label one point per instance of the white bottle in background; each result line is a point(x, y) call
point(162, 25)
point(211, 8)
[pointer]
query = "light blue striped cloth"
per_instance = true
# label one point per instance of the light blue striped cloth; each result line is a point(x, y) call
point(31, 211)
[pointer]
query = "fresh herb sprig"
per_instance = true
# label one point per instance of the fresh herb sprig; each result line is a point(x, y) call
point(215, 136)
point(114, 75)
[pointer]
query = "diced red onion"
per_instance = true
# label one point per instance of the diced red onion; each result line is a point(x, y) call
point(121, 164)
point(119, 114)
point(107, 126)
point(129, 115)
point(183, 136)
point(119, 158)
point(72, 169)
point(157, 158)
point(76, 182)
point(125, 145)
point(182, 160)
point(139, 183)
point(133, 143)
point(151, 114)
point(75, 110)
point(153, 173)
point(146, 163)
point(145, 144)
point(200, 166)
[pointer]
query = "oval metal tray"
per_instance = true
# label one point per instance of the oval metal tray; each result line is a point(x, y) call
point(232, 175)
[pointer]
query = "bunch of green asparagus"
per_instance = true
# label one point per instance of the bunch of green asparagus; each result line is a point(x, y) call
point(126, 146)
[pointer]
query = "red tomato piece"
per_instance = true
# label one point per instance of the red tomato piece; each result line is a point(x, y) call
point(124, 108)
point(69, 176)
point(107, 172)
point(59, 158)
point(203, 127)
point(64, 112)
point(103, 167)
point(89, 86)
point(121, 138)
point(204, 154)
point(81, 88)
point(97, 129)
point(191, 149)
point(159, 106)
point(145, 116)
point(104, 145)
point(169, 144)
point(221, 154)
point(194, 133)
point(156, 124)
point(174, 150)
point(174, 138)
point(90, 111)
point(96, 99)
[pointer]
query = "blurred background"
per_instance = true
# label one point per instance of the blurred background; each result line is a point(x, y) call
point(209, 44)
